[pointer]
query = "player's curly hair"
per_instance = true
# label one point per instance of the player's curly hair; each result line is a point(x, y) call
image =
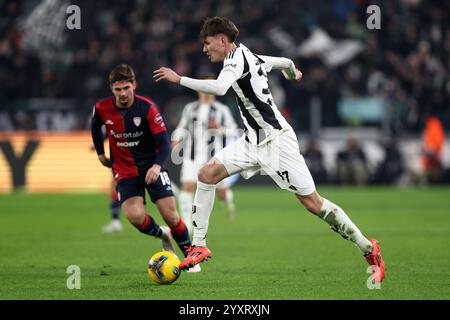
point(217, 25)
point(122, 72)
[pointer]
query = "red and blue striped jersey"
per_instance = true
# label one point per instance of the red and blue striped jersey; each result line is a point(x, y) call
point(131, 133)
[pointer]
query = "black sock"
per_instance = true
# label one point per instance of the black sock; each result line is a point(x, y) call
point(114, 206)
point(150, 227)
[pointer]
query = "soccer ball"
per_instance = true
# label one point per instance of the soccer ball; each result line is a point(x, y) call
point(163, 267)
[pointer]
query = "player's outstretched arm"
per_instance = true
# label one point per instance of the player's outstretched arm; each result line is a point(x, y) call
point(217, 87)
point(287, 67)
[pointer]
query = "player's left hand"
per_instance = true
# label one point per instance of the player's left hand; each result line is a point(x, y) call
point(166, 73)
point(153, 174)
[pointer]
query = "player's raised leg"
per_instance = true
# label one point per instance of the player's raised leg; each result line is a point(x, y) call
point(289, 170)
point(339, 222)
point(210, 174)
point(135, 211)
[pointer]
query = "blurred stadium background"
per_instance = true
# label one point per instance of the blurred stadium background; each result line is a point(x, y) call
point(372, 108)
point(367, 89)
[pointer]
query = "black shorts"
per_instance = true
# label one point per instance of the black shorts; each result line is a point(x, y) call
point(161, 188)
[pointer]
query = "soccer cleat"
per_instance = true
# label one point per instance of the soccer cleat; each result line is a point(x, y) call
point(194, 269)
point(113, 226)
point(195, 255)
point(166, 239)
point(375, 260)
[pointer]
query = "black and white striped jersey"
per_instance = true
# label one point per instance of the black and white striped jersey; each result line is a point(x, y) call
point(200, 141)
point(261, 117)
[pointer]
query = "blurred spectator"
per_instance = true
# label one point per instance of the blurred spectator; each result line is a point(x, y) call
point(352, 164)
point(314, 160)
point(433, 141)
point(391, 168)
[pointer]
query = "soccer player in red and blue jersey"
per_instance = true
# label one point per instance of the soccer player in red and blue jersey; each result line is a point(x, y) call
point(139, 145)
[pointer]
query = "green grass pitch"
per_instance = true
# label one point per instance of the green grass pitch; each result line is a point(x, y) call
point(274, 250)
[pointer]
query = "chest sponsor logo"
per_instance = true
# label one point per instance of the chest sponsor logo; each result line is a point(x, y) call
point(109, 122)
point(137, 121)
point(127, 143)
point(126, 135)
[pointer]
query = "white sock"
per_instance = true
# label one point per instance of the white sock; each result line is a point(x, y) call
point(341, 223)
point(186, 198)
point(201, 210)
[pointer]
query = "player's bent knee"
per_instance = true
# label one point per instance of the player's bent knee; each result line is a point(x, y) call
point(213, 172)
point(134, 213)
point(134, 217)
point(206, 174)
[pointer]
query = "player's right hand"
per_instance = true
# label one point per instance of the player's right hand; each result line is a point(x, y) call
point(153, 174)
point(166, 73)
point(105, 160)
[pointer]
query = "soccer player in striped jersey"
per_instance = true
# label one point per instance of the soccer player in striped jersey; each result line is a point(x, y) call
point(269, 144)
point(203, 129)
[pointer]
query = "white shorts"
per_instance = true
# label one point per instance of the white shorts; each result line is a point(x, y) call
point(189, 173)
point(279, 158)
